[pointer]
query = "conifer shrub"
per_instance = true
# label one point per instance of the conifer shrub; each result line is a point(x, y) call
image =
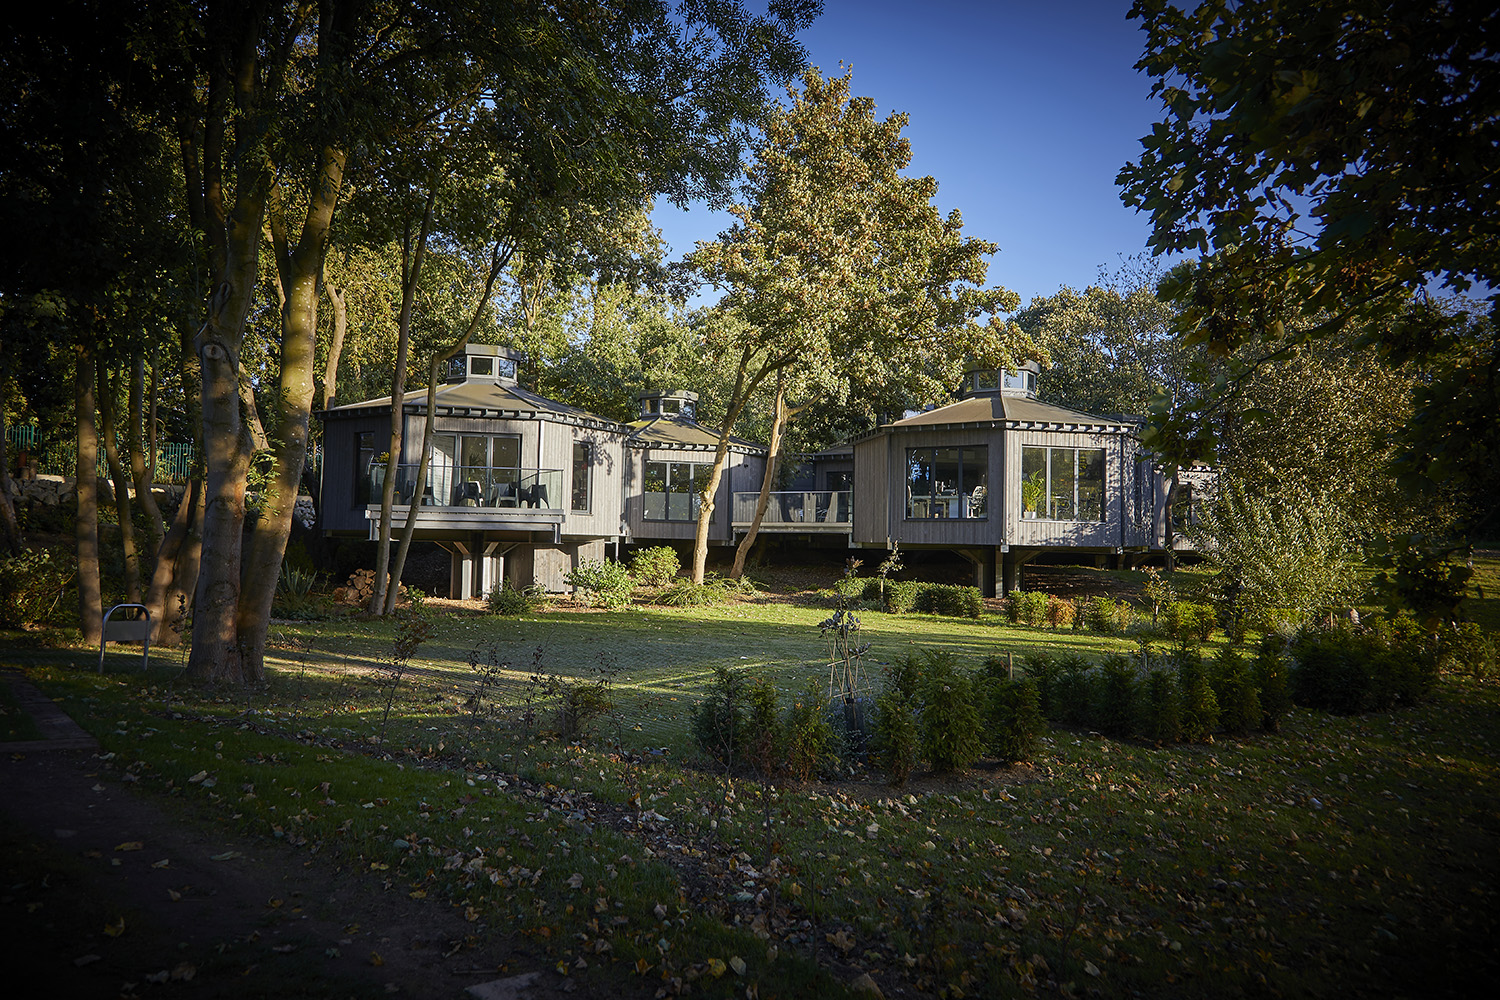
point(1466, 650)
point(1159, 709)
point(896, 743)
point(1107, 616)
point(1271, 682)
point(656, 566)
point(1200, 708)
point(810, 743)
point(1028, 608)
point(1115, 710)
point(950, 726)
point(762, 735)
point(718, 726)
point(1188, 623)
point(1331, 671)
point(1071, 697)
point(1013, 720)
point(1237, 693)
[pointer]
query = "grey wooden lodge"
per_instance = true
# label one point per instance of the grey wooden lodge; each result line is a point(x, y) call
point(523, 488)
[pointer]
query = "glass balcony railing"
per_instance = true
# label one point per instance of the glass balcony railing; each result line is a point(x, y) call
point(796, 507)
point(475, 486)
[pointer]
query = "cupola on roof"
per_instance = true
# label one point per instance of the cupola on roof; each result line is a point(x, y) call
point(677, 403)
point(484, 363)
point(991, 381)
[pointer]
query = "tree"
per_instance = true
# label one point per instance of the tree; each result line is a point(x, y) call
point(273, 101)
point(841, 275)
point(1334, 163)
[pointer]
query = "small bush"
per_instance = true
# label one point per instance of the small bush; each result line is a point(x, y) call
point(763, 735)
point(1044, 669)
point(1466, 650)
point(508, 600)
point(903, 676)
point(896, 743)
point(656, 566)
point(934, 599)
point(581, 705)
point(1331, 671)
point(1200, 709)
point(950, 729)
point(718, 726)
point(1237, 693)
point(1028, 608)
point(1061, 612)
point(1159, 709)
point(1188, 623)
point(810, 741)
point(295, 596)
point(687, 594)
point(1115, 712)
point(33, 585)
point(1271, 682)
point(603, 582)
point(1106, 616)
point(1071, 697)
point(901, 596)
point(1013, 719)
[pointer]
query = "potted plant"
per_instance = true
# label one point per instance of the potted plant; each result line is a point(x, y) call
point(1032, 492)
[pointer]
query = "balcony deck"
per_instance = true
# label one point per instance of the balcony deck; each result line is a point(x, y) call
point(800, 511)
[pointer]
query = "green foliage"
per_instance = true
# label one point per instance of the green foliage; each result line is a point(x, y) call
point(950, 727)
point(1467, 650)
point(718, 726)
point(296, 596)
point(1106, 615)
point(604, 583)
point(1200, 707)
point(1188, 623)
point(810, 740)
point(507, 600)
point(1347, 670)
point(656, 566)
point(1237, 693)
point(897, 743)
point(1028, 607)
point(905, 596)
point(763, 736)
point(1115, 710)
point(1013, 722)
point(1159, 709)
point(1271, 681)
point(580, 705)
point(1159, 592)
point(32, 586)
point(687, 594)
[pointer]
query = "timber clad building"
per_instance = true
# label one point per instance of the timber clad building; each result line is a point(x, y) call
point(521, 488)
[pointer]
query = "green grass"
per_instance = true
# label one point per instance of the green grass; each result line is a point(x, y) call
point(1339, 855)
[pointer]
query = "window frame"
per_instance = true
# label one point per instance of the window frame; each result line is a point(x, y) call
point(969, 473)
point(670, 474)
point(1079, 485)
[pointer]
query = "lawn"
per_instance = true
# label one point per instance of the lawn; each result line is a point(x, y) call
point(1338, 855)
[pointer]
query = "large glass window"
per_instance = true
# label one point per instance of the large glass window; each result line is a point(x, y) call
point(1062, 484)
point(947, 482)
point(474, 469)
point(673, 490)
point(583, 460)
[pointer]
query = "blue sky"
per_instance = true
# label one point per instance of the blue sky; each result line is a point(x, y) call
point(1024, 112)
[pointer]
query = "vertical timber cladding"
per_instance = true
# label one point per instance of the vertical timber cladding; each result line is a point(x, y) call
point(871, 524)
point(343, 477)
point(944, 531)
point(605, 485)
point(1041, 531)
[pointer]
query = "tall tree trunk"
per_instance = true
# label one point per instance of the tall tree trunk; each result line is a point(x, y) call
point(176, 571)
point(299, 344)
point(121, 483)
point(499, 258)
point(783, 416)
point(8, 523)
point(142, 470)
point(745, 386)
point(338, 298)
point(86, 527)
point(1170, 529)
point(411, 271)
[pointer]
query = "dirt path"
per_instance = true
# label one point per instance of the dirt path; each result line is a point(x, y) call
point(107, 892)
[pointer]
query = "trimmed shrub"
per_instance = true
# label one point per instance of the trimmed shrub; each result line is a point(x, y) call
point(603, 582)
point(507, 600)
point(1159, 709)
point(763, 735)
point(901, 596)
point(1107, 616)
point(1237, 694)
point(896, 744)
point(950, 730)
point(656, 566)
point(809, 739)
point(1013, 719)
point(1115, 711)
point(718, 726)
point(934, 599)
point(1200, 708)
point(580, 707)
point(1271, 680)
point(1071, 696)
point(1188, 623)
point(1061, 612)
point(1465, 649)
point(1028, 608)
point(1330, 671)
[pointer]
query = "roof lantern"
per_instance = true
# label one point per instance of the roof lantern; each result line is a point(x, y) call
point(484, 363)
point(991, 381)
point(678, 403)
